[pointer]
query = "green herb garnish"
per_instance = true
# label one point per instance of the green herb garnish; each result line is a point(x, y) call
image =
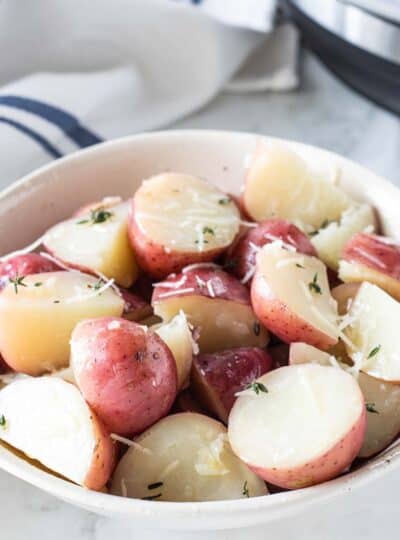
point(98, 215)
point(155, 485)
point(371, 408)
point(17, 281)
point(374, 352)
point(299, 265)
point(99, 283)
point(3, 421)
point(152, 497)
point(38, 284)
point(245, 491)
point(257, 387)
point(224, 201)
point(313, 286)
point(208, 230)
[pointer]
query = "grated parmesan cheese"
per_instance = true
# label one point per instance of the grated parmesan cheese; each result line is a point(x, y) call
point(199, 265)
point(131, 444)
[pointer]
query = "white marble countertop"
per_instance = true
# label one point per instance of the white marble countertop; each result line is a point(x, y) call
point(322, 112)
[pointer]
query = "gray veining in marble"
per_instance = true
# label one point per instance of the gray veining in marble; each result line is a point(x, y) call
point(322, 112)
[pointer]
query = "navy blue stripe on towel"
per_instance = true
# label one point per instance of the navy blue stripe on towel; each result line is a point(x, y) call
point(65, 121)
point(44, 143)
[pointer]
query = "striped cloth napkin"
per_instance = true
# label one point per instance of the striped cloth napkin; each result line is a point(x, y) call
point(78, 72)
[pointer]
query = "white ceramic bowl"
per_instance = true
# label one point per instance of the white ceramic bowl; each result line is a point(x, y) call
point(50, 194)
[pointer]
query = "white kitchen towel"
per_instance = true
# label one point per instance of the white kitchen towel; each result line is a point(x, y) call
point(78, 72)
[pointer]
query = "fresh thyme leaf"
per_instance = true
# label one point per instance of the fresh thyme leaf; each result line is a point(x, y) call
point(56, 301)
point(224, 201)
point(198, 242)
point(323, 225)
point(3, 421)
point(208, 230)
point(38, 284)
point(257, 387)
point(155, 485)
point(299, 265)
point(374, 352)
point(17, 281)
point(99, 283)
point(256, 328)
point(371, 408)
point(245, 491)
point(152, 497)
point(313, 286)
point(98, 215)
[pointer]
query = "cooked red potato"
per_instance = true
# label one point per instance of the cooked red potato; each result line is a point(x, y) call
point(280, 184)
point(368, 257)
point(23, 265)
point(178, 336)
point(243, 256)
point(291, 297)
point(184, 457)
point(344, 295)
point(217, 377)
point(216, 303)
point(330, 239)
point(96, 242)
point(125, 372)
point(135, 308)
point(38, 313)
point(299, 425)
point(177, 219)
point(48, 420)
point(382, 400)
point(373, 330)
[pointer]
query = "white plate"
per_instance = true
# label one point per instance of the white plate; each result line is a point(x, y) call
point(44, 197)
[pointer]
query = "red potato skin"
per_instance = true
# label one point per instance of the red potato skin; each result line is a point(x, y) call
point(217, 377)
point(155, 260)
point(243, 256)
point(135, 308)
point(104, 458)
point(362, 246)
point(24, 265)
point(127, 375)
point(223, 284)
point(325, 467)
point(279, 319)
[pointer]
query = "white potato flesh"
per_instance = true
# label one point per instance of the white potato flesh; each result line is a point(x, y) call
point(353, 272)
point(100, 247)
point(222, 324)
point(307, 411)
point(280, 184)
point(290, 277)
point(188, 458)
point(330, 240)
point(36, 322)
point(382, 399)
point(178, 336)
point(186, 214)
point(374, 331)
point(48, 420)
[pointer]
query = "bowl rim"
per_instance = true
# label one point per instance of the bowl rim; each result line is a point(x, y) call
point(276, 506)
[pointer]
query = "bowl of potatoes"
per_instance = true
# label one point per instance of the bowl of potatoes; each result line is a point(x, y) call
point(198, 329)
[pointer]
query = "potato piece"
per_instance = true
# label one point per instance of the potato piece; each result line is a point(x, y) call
point(290, 295)
point(47, 419)
point(382, 401)
point(177, 219)
point(217, 377)
point(38, 315)
point(184, 457)
point(305, 425)
point(216, 303)
point(243, 256)
point(368, 257)
point(280, 184)
point(330, 240)
point(105, 203)
point(125, 372)
point(96, 242)
point(373, 330)
point(24, 265)
point(178, 336)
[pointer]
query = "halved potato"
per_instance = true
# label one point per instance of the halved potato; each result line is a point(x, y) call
point(96, 242)
point(330, 240)
point(291, 297)
point(47, 419)
point(178, 219)
point(184, 457)
point(374, 331)
point(178, 336)
point(299, 425)
point(280, 184)
point(37, 317)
